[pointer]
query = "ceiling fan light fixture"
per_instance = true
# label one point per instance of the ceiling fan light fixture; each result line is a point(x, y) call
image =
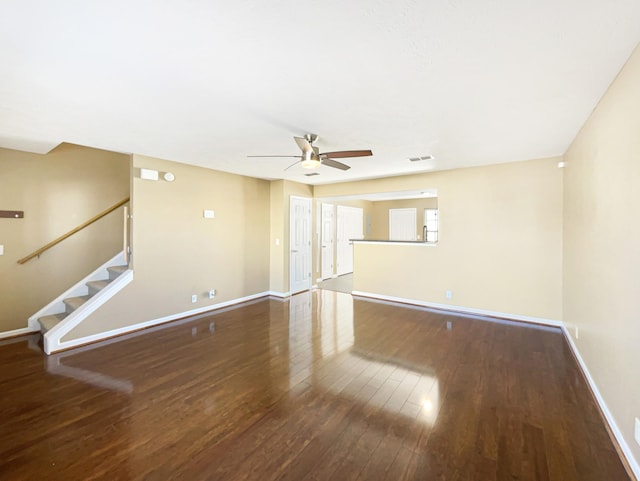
point(310, 163)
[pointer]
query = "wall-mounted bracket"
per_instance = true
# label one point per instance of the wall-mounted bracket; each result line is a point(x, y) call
point(11, 214)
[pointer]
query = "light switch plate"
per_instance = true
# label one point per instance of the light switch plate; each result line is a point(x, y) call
point(1, 250)
point(209, 214)
point(148, 174)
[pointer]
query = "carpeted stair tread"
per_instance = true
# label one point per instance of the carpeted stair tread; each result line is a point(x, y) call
point(72, 303)
point(115, 271)
point(96, 286)
point(48, 322)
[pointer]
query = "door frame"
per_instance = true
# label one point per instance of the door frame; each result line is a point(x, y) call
point(306, 249)
point(345, 230)
point(329, 250)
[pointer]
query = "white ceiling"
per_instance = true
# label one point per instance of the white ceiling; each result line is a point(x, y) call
point(209, 82)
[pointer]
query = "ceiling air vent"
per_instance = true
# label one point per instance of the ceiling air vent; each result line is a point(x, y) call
point(418, 159)
point(311, 174)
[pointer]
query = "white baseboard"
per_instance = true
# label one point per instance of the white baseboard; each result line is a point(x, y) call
point(143, 325)
point(633, 463)
point(18, 332)
point(466, 310)
point(279, 294)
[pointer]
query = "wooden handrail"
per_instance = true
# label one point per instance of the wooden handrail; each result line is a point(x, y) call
point(73, 231)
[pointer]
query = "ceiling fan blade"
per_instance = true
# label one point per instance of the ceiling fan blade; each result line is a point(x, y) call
point(292, 156)
point(295, 163)
point(304, 144)
point(335, 164)
point(343, 154)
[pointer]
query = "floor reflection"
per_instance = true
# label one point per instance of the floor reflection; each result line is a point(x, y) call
point(327, 350)
point(56, 367)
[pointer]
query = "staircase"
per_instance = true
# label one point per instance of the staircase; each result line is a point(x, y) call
point(72, 303)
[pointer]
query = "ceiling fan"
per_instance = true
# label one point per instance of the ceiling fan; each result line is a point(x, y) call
point(312, 158)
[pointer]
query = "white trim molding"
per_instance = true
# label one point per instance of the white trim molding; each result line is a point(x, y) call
point(18, 332)
point(279, 294)
point(53, 337)
point(466, 310)
point(62, 345)
point(622, 443)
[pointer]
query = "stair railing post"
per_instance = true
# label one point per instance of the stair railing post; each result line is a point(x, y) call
point(125, 231)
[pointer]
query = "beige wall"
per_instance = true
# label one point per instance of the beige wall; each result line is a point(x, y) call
point(380, 214)
point(602, 246)
point(500, 243)
point(57, 192)
point(177, 253)
point(278, 235)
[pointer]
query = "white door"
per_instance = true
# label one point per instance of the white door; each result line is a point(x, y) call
point(327, 236)
point(299, 244)
point(402, 224)
point(349, 221)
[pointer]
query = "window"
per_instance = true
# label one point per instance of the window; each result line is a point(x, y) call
point(431, 225)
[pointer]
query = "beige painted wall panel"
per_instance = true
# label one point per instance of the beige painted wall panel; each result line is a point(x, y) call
point(386, 184)
point(601, 246)
point(177, 252)
point(57, 192)
point(278, 237)
point(500, 244)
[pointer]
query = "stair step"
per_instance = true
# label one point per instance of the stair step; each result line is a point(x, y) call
point(96, 286)
point(48, 322)
point(72, 303)
point(115, 271)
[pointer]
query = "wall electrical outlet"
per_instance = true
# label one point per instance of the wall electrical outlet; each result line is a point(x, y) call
point(212, 293)
point(448, 294)
point(637, 431)
point(194, 298)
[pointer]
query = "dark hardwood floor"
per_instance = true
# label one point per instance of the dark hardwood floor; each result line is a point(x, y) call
point(322, 387)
